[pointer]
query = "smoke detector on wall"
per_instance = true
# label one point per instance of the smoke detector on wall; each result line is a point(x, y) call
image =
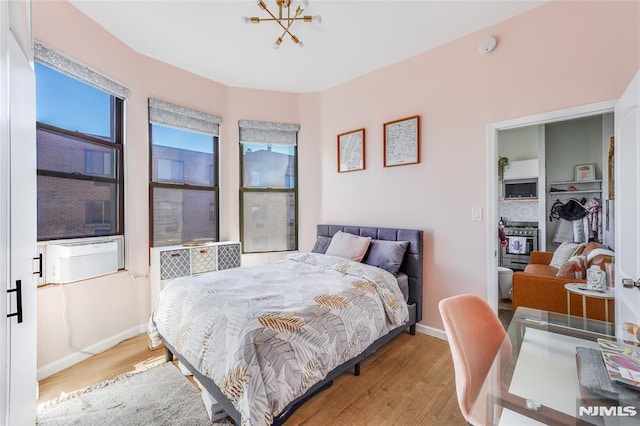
point(487, 45)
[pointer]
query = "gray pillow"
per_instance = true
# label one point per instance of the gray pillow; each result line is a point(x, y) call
point(321, 245)
point(387, 255)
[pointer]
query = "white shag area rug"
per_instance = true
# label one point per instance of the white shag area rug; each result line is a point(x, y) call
point(158, 396)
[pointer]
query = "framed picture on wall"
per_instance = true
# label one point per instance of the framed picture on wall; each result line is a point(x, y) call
point(585, 172)
point(402, 142)
point(351, 150)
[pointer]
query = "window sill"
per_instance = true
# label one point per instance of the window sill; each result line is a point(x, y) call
point(118, 272)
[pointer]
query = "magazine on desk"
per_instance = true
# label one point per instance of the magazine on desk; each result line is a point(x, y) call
point(622, 361)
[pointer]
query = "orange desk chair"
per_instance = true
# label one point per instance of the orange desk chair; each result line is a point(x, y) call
point(475, 336)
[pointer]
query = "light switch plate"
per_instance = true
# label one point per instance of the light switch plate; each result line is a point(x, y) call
point(476, 214)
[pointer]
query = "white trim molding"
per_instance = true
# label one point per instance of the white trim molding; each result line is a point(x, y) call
point(570, 113)
point(76, 357)
point(431, 331)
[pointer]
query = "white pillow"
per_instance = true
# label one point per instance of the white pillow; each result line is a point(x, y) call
point(597, 252)
point(348, 246)
point(563, 253)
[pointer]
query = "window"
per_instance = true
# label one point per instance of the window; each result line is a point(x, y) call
point(79, 157)
point(97, 213)
point(97, 163)
point(184, 177)
point(170, 170)
point(268, 193)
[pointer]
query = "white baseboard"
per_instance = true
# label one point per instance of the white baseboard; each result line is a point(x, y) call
point(430, 331)
point(76, 357)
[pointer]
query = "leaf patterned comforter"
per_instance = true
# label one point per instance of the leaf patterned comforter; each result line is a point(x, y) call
point(267, 333)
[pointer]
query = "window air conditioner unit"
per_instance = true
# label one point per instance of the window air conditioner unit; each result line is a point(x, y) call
point(77, 261)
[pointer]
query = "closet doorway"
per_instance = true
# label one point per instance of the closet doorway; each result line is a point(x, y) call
point(552, 145)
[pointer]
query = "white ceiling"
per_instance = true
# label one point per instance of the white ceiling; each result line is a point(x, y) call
point(209, 38)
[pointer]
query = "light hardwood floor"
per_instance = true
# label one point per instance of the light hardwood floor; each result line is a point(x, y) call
point(407, 382)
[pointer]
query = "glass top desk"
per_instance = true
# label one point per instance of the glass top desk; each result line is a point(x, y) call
point(534, 377)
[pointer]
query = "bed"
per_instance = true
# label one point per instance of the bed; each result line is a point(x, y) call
point(262, 346)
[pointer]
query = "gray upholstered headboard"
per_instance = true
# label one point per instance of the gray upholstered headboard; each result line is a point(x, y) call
point(413, 259)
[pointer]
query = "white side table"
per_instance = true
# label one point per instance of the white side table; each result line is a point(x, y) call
point(580, 288)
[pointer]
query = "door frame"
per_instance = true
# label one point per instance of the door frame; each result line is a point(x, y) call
point(627, 145)
point(4, 207)
point(571, 113)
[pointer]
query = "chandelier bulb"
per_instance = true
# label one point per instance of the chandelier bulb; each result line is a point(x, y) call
point(246, 20)
point(317, 19)
point(305, 4)
point(300, 44)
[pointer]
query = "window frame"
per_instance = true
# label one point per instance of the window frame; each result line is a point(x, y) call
point(117, 144)
point(244, 190)
point(184, 186)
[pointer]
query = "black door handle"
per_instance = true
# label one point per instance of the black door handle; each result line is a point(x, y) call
point(39, 271)
point(18, 292)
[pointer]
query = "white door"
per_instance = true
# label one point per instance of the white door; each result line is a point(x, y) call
point(19, 237)
point(4, 210)
point(627, 198)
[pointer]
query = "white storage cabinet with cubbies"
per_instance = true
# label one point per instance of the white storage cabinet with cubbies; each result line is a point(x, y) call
point(170, 262)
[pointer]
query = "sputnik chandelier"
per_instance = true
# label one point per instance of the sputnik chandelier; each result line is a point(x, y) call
point(284, 18)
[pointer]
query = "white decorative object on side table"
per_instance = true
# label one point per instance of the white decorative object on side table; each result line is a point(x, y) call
point(596, 279)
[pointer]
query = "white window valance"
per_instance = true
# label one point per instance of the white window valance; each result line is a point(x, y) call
point(65, 65)
point(166, 113)
point(268, 132)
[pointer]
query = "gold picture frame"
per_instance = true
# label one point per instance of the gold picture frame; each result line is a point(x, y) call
point(351, 151)
point(402, 141)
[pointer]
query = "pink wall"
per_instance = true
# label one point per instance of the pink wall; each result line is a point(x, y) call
point(559, 55)
point(110, 306)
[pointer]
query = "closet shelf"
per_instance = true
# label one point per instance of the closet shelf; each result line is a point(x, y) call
point(581, 186)
point(522, 199)
point(573, 182)
point(551, 194)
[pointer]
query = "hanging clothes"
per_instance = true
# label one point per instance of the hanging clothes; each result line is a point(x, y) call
point(563, 232)
point(572, 209)
point(579, 221)
point(580, 230)
point(593, 226)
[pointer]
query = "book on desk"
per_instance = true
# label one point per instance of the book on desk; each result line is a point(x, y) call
point(608, 376)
